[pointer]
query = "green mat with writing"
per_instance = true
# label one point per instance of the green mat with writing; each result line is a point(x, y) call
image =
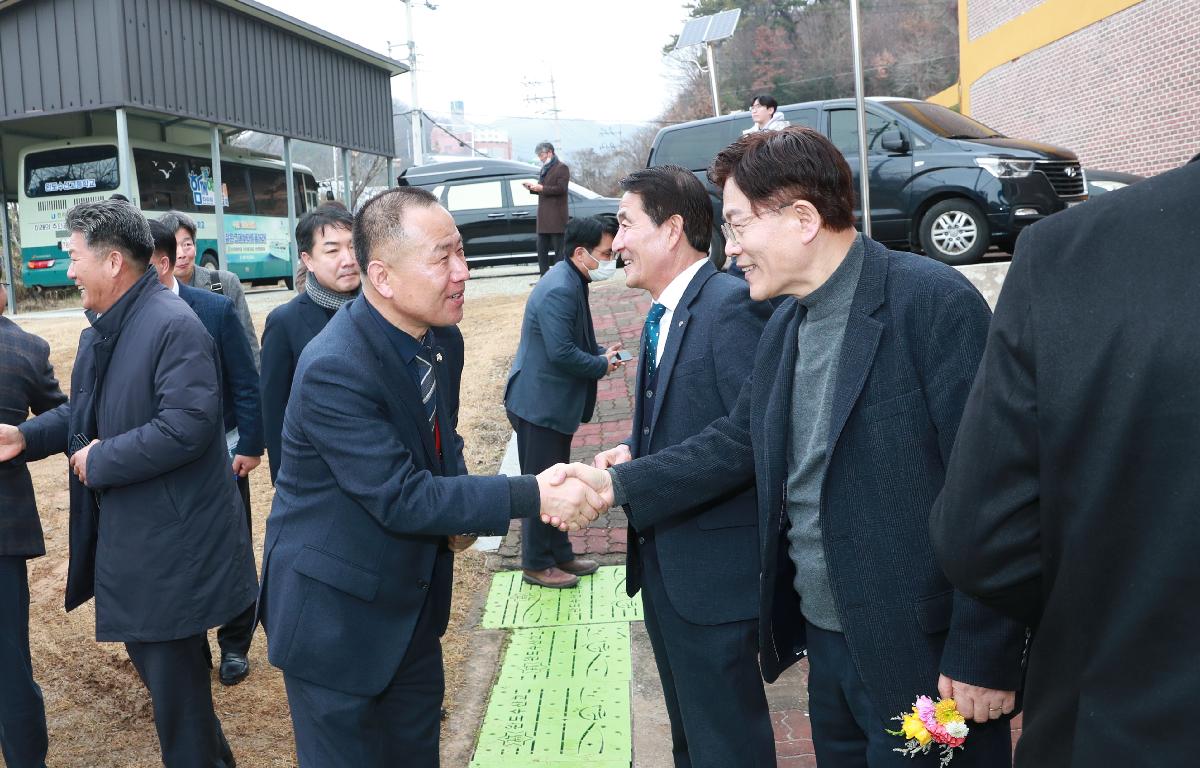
point(562, 696)
point(599, 598)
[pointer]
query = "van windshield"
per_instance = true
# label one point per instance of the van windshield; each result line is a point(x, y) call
point(943, 122)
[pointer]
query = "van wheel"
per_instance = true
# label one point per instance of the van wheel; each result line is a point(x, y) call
point(209, 260)
point(716, 249)
point(290, 283)
point(955, 232)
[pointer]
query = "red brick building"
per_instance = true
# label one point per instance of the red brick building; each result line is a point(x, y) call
point(1117, 81)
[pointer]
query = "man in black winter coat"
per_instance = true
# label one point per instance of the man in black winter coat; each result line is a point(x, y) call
point(156, 523)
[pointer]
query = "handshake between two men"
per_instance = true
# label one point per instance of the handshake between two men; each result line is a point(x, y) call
point(573, 495)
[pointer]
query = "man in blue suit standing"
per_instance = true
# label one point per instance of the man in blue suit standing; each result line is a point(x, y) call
point(552, 385)
point(698, 573)
point(845, 424)
point(357, 570)
point(242, 417)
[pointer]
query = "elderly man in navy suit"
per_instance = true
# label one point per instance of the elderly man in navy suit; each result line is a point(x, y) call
point(845, 424)
point(27, 384)
point(323, 236)
point(242, 416)
point(357, 566)
point(552, 385)
point(698, 573)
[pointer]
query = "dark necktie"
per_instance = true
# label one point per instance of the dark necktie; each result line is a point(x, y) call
point(650, 337)
point(428, 387)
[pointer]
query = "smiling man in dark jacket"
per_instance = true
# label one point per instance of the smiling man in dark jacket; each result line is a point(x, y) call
point(845, 424)
point(156, 524)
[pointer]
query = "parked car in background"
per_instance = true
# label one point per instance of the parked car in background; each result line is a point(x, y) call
point(494, 212)
point(1099, 182)
point(940, 182)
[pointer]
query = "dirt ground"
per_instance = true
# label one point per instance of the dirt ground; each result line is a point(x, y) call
point(99, 714)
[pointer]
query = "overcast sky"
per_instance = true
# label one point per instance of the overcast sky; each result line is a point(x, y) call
point(606, 55)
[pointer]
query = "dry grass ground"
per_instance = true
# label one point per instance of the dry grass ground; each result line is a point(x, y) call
point(98, 711)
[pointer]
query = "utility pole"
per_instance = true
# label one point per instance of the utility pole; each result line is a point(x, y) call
point(552, 98)
point(418, 138)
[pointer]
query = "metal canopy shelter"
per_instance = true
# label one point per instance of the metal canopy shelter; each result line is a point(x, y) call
point(187, 72)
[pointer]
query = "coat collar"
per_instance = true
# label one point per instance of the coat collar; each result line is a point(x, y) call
point(314, 316)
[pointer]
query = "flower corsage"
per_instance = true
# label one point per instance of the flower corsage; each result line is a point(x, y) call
point(929, 724)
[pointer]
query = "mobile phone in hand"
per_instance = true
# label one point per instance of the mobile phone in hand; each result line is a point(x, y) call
point(623, 356)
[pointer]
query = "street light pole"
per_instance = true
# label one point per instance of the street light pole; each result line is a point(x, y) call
point(712, 77)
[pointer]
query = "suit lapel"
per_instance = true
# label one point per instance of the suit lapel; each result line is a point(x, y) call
point(395, 373)
point(778, 413)
point(314, 317)
point(679, 324)
point(861, 340)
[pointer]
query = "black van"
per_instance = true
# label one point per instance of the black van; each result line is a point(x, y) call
point(940, 182)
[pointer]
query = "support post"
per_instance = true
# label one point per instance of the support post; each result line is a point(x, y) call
point(125, 155)
point(346, 179)
point(712, 78)
point(6, 237)
point(218, 199)
point(864, 165)
point(291, 200)
point(391, 172)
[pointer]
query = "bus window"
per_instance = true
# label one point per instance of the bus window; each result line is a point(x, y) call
point(233, 178)
point(269, 191)
point(71, 170)
point(163, 181)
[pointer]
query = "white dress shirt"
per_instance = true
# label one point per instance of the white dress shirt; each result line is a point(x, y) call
point(670, 299)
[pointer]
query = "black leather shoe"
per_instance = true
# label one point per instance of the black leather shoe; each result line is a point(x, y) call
point(234, 668)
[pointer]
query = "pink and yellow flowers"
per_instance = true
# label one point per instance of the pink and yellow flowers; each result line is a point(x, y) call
point(932, 723)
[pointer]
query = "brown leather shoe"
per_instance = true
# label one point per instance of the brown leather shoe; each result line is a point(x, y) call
point(552, 578)
point(580, 567)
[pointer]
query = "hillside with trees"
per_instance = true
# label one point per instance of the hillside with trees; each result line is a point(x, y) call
point(796, 50)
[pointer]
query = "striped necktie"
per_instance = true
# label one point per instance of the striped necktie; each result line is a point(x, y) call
point(428, 388)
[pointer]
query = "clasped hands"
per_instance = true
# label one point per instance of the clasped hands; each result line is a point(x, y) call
point(574, 495)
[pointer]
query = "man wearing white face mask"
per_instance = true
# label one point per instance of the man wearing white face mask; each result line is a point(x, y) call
point(552, 385)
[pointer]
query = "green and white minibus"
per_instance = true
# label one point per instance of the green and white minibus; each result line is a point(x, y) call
point(58, 175)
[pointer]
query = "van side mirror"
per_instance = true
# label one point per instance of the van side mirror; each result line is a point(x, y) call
point(893, 141)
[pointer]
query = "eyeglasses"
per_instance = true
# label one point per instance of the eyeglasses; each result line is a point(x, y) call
point(733, 231)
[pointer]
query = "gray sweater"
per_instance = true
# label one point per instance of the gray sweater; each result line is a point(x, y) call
point(822, 328)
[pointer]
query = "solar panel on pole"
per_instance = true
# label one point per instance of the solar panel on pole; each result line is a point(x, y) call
point(722, 25)
point(706, 31)
point(693, 33)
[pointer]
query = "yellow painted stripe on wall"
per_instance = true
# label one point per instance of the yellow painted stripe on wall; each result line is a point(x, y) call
point(1050, 21)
